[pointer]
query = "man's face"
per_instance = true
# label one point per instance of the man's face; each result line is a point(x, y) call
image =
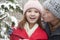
point(47, 16)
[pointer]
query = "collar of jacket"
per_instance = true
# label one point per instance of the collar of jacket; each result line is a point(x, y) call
point(56, 32)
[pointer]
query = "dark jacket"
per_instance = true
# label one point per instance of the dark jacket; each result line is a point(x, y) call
point(52, 35)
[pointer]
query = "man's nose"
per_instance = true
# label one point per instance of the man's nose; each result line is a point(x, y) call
point(43, 14)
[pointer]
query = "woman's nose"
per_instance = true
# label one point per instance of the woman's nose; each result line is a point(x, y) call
point(32, 13)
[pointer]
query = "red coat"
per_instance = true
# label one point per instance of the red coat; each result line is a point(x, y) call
point(19, 34)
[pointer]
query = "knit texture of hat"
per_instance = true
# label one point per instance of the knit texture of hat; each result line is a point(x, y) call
point(53, 6)
point(32, 4)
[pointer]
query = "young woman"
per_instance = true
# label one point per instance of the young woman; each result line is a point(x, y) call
point(30, 28)
point(52, 16)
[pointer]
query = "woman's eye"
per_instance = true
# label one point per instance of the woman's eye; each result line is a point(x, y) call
point(29, 11)
point(36, 12)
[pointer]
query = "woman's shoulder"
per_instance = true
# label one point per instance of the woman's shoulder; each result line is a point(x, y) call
point(42, 32)
point(16, 29)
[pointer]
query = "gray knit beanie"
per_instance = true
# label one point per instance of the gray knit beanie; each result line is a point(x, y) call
point(53, 6)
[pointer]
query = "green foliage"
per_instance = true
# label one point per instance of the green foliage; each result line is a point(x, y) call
point(11, 7)
point(11, 0)
point(2, 6)
point(19, 9)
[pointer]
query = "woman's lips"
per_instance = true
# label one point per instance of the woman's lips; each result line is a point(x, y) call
point(32, 18)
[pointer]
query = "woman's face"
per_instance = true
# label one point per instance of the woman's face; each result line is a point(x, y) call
point(48, 16)
point(32, 15)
